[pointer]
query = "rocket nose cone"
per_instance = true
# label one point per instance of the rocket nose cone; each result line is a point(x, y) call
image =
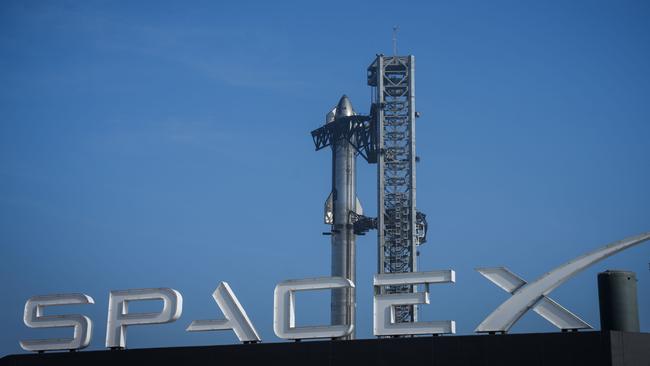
point(344, 108)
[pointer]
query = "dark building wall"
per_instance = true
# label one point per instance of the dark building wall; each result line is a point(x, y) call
point(557, 349)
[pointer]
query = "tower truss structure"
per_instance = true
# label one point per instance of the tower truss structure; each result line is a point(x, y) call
point(400, 227)
point(386, 137)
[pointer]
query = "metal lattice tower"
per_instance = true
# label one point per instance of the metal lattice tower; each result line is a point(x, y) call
point(386, 137)
point(400, 228)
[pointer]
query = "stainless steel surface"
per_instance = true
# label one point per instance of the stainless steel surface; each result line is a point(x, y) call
point(284, 309)
point(236, 318)
point(546, 307)
point(328, 212)
point(385, 305)
point(34, 317)
point(344, 200)
point(502, 319)
point(119, 317)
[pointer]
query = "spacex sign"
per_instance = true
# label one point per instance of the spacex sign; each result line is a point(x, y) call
point(525, 296)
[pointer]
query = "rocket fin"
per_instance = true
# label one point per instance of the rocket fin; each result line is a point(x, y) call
point(358, 209)
point(329, 210)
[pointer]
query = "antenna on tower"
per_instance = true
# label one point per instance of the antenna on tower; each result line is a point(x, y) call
point(395, 29)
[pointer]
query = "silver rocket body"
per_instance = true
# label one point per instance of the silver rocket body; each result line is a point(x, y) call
point(343, 200)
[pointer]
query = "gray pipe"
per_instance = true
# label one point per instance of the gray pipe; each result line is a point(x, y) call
point(619, 309)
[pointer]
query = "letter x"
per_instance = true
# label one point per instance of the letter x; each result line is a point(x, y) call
point(550, 310)
point(534, 295)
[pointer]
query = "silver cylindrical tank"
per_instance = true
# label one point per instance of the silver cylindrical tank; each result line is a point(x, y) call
point(619, 309)
point(343, 237)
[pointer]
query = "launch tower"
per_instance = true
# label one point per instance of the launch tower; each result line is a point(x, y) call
point(386, 137)
point(400, 227)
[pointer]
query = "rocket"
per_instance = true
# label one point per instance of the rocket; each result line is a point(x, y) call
point(339, 206)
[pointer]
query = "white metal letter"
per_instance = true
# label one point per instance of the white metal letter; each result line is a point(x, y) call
point(546, 307)
point(34, 318)
point(284, 309)
point(236, 317)
point(507, 314)
point(119, 317)
point(384, 304)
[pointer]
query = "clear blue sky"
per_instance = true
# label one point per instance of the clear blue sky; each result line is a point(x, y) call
point(166, 144)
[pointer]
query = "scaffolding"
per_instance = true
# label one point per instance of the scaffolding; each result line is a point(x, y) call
point(386, 137)
point(400, 227)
